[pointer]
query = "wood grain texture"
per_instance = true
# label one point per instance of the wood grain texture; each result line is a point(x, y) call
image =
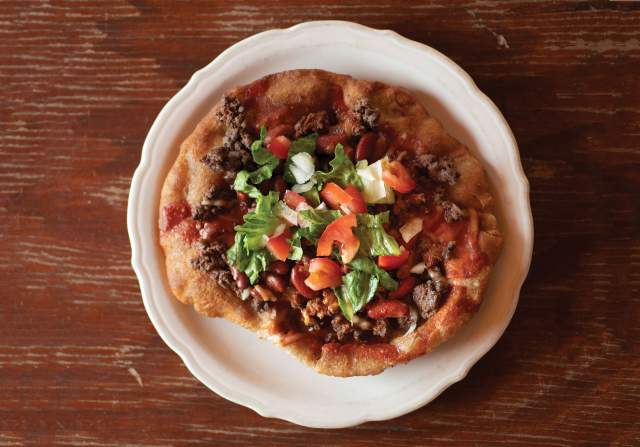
point(81, 82)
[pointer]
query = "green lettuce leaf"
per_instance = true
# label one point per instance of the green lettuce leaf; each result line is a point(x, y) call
point(296, 245)
point(357, 289)
point(374, 240)
point(245, 181)
point(368, 266)
point(260, 222)
point(251, 262)
point(316, 222)
point(342, 172)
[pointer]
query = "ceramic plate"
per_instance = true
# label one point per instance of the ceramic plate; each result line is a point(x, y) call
point(232, 361)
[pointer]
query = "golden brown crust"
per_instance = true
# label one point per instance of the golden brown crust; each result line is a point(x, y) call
point(291, 94)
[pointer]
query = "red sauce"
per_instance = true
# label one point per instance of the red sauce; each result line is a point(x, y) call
point(173, 214)
point(188, 231)
point(467, 259)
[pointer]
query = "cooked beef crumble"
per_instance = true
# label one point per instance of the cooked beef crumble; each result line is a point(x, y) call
point(367, 116)
point(380, 328)
point(452, 212)
point(233, 155)
point(218, 200)
point(428, 295)
point(212, 259)
point(312, 122)
point(440, 169)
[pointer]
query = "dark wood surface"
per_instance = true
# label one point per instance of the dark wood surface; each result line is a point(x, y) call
point(80, 84)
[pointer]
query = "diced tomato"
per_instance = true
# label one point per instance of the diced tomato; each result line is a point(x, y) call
point(279, 147)
point(340, 231)
point(397, 177)
point(349, 198)
point(293, 199)
point(357, 204)
point(323, 273)
point(404, 288)
point(335, 196)
point(388, 309)
point(393, 262)
point(281, 129)
point(279, 246)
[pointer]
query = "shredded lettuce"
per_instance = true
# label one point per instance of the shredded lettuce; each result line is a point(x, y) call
point(260, 222)
point(245, 180)
point(368, 266)
point(315, 221)
point(342, 172)
point(374, 240)
point(357, 289)
point(296, 246)
point(251, 262)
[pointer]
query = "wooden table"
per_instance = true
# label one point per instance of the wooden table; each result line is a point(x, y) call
point(81, 82)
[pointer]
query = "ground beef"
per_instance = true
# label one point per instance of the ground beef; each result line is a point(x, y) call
point(380, 328)
point(234, 154)
point(312, 122)
point(431, 251)
point(212, 259)
point(440, 169)
point(341, 327)
point(367, 115)
point(218, 200)
point(324, 306)
point(426, 298)
point(409, 204)
point(228, 161)
point(428, 295)
point(452, 212)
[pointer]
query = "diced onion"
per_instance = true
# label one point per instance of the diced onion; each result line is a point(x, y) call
point(418, 269)
point(345, 209)
point(304, 187)
point(287, 214)
point(245, 294)
point(322, 206)
point(302, 167)
point(413, 318)
point(411, 228)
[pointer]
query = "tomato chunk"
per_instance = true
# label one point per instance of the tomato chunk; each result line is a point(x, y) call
point(323, 273)
point(393, 262)
point(404, 288)
point(388, 309)
point(293, 199)
point(334, 196)
point(279, 147)
point(349, 199)
point(279, 246)
point(357, 204)
point(397, 177)
point(340, 231)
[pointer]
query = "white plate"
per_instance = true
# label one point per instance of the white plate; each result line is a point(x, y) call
point(252, 372)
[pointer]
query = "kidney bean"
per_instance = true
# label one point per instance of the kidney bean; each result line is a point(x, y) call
point(279, 267)
point(279, 185)
point(298, 274)
point(275, 282)
point(326, 144)
point(388, 309)
point(242, 197)
point(366, 146)
point(242, 281)
point(264, 294)
point(349, 152)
